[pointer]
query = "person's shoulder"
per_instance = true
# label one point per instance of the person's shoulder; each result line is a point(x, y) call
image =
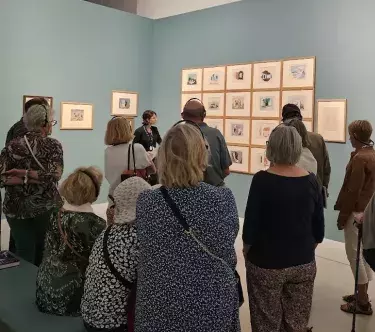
point(139, 130)
point(53, 141)
point(315, 137)
point(211, 192)
point(138, 147)
point(148, 195)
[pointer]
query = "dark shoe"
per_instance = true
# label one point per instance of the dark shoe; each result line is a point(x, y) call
point(349, 298)
point(359, 309)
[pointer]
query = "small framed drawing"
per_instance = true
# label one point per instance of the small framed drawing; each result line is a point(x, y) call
point(261, 131)
point(304, 99)
point(214, 104)
point(214, 79)
point(238, 104)
point(331, 119)
point(299, 73)
point(191, 80)
point(187, 96)
point(267, 75)
point(124, 103)
point(216, 123)
point(258, 160)
point(76, 116)
point(266, 104)
point(237, 131)
point(239, 77)
point(26, 98)
point(309, 125)
point(240, 158)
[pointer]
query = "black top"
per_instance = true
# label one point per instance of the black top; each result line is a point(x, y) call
point(17, 130)
point(284, 220)
point(146, 139)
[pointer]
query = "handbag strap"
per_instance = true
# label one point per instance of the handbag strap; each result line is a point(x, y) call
point(32, 153)
point(131, 148)
point(182, 220)
point(65, 236)
point(109, 263)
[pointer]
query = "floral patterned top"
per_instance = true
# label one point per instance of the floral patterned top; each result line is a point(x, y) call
point(29, 201)
point(105, 298)
point(61, 275)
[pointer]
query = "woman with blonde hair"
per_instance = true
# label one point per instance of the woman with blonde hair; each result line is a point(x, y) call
point(69, 240)
point(110, 278)
point(355, 194)
point(186, 232)
point(122, 155)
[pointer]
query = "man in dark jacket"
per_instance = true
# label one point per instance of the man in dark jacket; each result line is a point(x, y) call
point(317, 146)
point(17, 130)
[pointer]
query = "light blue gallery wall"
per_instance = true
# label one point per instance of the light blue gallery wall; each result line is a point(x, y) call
point(74, 51)
point(337, 32)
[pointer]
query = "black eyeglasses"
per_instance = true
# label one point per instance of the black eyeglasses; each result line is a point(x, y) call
point(53, 122)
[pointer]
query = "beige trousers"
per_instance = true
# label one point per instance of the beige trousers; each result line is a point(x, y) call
point(351, 242)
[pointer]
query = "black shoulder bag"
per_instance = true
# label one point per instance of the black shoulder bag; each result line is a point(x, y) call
point(126, 283)
point(182, 220)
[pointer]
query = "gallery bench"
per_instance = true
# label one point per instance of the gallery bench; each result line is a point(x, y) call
point(18, 312)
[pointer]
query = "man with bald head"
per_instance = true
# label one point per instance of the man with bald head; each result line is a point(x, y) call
point(219, 160)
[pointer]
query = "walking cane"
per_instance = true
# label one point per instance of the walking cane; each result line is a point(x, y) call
point(357, 274)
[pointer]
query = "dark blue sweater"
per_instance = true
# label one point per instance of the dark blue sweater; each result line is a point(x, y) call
point(284, 219)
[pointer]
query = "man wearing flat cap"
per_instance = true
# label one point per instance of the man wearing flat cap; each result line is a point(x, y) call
point(317, 145)
point(219, 161)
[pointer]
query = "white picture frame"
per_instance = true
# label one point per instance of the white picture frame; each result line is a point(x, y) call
point(238, 104)
point(299, 73)
point(258, 160)
point(240, 158)
point(26, 98)
point(215, 123)
point(332, 119)
point(261, 130)
point(267, 75)
point(191, 80)
point(185, 97)
point(237, 131)
point(214, 78)
point(76, 116)
point(239, 77)
point(214, 104)
point(266, 104)
point(124, 103)
point(304, 99)
point(309, 124)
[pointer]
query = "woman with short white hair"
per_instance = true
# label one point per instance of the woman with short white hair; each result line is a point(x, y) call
point(284, 222)
point(31, 166)
point(186, 232)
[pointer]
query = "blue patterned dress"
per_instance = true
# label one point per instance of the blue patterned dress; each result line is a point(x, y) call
point(180, 286)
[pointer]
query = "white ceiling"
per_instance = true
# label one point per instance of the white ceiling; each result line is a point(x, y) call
point(156, 9)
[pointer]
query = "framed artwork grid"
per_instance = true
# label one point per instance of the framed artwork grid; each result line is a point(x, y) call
point(289, 72)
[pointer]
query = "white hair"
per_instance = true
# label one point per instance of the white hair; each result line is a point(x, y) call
point(37, 117)
point(284, 146)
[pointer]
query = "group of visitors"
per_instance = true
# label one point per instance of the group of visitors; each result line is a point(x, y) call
point(165, 259)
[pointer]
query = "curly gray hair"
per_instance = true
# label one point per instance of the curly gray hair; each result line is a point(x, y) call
point(284, 146)
point(37, 117)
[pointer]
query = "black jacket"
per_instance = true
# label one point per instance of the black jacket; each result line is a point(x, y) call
point(148, 141)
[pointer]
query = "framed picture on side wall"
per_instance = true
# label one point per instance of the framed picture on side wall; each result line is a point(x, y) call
point(214, 79)
point(124, 103)
point(237, 131)
point(191, 80)
point(266, 104)
point(240, 158)
point(304, 99)
point(261, 131)
point(258, 160)
point(238, 104)
point(26, 98)
point(299, 73)
point(76, 116)
point(267, 75)
point(331, 119)
point(214, 104)
point(239, 77)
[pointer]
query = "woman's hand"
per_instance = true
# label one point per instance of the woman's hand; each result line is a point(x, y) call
point(13, 181)
point(19, 173)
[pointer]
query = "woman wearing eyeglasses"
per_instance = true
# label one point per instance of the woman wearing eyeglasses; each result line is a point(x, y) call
point(31, 166)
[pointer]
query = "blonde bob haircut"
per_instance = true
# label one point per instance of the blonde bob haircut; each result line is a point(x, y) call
point(82, 186)
point(182, 157)
point(119, 131)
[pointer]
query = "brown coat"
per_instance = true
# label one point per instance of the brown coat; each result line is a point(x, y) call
point(318, 149)
point(359, 183)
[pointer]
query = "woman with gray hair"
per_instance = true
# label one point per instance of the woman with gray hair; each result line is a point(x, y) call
point(30, 168)
point(284, 222)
